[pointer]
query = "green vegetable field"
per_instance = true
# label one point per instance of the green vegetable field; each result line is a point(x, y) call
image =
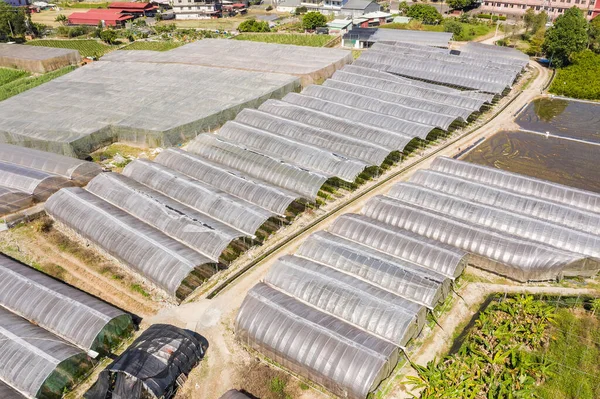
point(14, 81)
point(87, 48)
point(153, 46)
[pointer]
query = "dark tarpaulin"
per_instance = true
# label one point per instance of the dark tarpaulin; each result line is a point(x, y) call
point(235, 394)
point(150, 367)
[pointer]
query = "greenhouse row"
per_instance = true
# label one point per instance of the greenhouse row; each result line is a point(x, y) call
point(523, 228)
point(359, 292)
point(490, 74)
point(28, 175)
point(374, 35)
point(152, 366)
point(47, 327)
point(36, 59)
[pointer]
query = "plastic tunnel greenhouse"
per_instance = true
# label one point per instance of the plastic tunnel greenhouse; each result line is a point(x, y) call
point(36, 362)
point(350, 362)
point(40, 185)
point(152, 366)
point(65, 311)
point(6, 392)
point(162, 260)
point(233, 394)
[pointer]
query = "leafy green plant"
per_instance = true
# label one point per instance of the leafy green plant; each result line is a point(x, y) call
point(25, 83)
point(313, 20)
point(287, 38)
point(424, 12)
point(252, 25)
point(581, 79)
point(87, 48)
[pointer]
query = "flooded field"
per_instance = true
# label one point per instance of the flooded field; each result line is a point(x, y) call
point(575, 119)
point(552, 158)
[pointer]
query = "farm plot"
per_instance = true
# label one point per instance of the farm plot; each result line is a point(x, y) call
point(12, 84)
point(87, 48)
point(287, 38)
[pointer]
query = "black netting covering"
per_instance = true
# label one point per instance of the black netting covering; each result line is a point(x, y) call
point(150, 367)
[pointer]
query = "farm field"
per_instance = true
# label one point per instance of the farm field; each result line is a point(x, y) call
point(152, 46)
point(519, 347)
point(48, 17)
point(87, 48)
point(297, 39)
point(13, 82)
point(469, 31)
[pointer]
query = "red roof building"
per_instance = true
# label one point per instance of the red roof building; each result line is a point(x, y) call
point(133, 8)
point(93, 17)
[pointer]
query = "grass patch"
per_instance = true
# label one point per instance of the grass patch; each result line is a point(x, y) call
point(138, 288)
point(581, 79)
point(8, 75)
point(468, 31)
point(20, 85)
point(574, 350)
point(153, 46)
point(86, 47)
point(297, 39)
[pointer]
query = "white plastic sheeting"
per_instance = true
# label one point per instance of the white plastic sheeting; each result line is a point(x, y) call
point(287, 176)
point(255, 191)
point(196, 230)
point(348, 361)
point(12, 200)
point(65, 311)
point(163, 260)
point(407, 279)
point(29, 355)
point(364, 305)
point(215, 203)
point(33, 182)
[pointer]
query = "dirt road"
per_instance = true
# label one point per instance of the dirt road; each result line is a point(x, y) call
point(215, 318)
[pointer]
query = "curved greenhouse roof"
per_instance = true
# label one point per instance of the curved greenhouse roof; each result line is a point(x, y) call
point(12, 200)
point(6, 392)
point(355, 301)
point(527, 227)
point(502, 198)
point(387, 122)
point(79, 171)
point(333, 141)
point(501, 253)
point(255, 191)
point(412, 246)
point(399, 276)
point(36, 362)
point(61, 309)
point(284, 175)
point(392, 141)
point(215, 203)
point(408, 90)
point(349, 361)
point(196, 230)
point(152, 365)
point(164, 261)
point(413, 102)
point(483, 50)
point(377, 104)
point(30, 181)
point(520, 184)
point(288, 150)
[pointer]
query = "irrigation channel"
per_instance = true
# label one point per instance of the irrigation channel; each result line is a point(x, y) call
point(370, 189)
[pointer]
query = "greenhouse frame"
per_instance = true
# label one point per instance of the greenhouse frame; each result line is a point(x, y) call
point(167, 263)
point(35, 361)
point(152, 365)
point(349, 362)
point(61, 309)
point(12, 200)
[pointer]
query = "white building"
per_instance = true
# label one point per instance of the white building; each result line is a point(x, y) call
point(197, 9)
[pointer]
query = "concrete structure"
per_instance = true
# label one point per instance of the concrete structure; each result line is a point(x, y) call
point(554, 8)
point(36, 59)
point(197, 9)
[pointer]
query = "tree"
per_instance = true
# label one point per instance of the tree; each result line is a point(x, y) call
point(313, 20)
point(594, 34)
point(425, 13)
point(403, 7)
point(12, 21)
point(453, 26)
point(568, 35)
point(108, 36)
point(459, 4)
point(252, 25)
point(301, 10)
point(529, 19)
point(61, 18)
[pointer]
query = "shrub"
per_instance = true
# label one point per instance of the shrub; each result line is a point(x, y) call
point(581, 79)
point(301, 10)
point(313, 20)
point(252, 25)
point(108, 36)
point(453, 26)
point(269, 8)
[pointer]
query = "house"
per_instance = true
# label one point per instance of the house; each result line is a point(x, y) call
point(339, 26)
point(95, 16)
point(288, 5)
point(554, 8)
point(135, 9)
point(377, 18)
point(197, 9)
point(17, 3)
point(354, 8)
